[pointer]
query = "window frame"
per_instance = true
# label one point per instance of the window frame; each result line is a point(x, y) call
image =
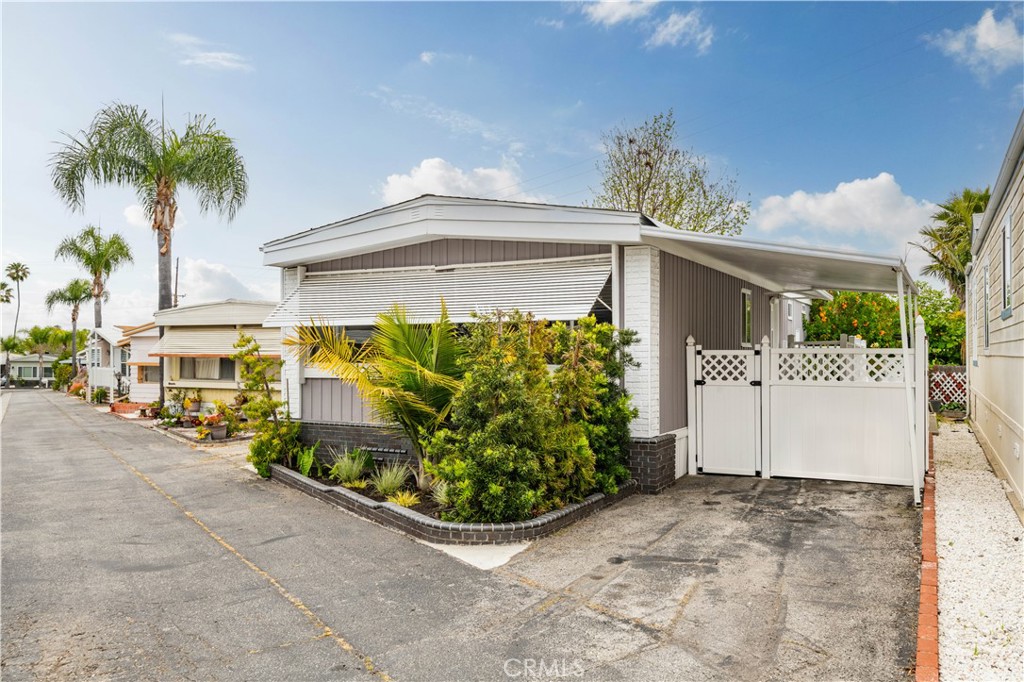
point(986, 297)
point(746, 318)
point(1006, 300)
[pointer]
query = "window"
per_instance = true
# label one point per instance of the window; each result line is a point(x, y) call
point(94, 357)
point(149, 375)
point(984, 306)
point(27, 372)
point(1007, 303)
point(227, 369)
point(186, 368)
point(47, 372)
point(124, 362)
point(789, 310)
point(747, 332)
point(207, 369)
point(972, 303)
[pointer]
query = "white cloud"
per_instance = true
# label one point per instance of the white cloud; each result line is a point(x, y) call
point(201, 281)
point(683, 29)
point(428, 57)
point(987, 48)
point(612, 12)
point(873, 207)
point(195, 52)
point(437, 176)
point(556, 24)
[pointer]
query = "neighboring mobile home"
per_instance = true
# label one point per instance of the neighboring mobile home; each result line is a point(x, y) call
point(562, 263)
point(995, 315)
point(143, 368)
point(107, 364)
point(199, 340)
point(25, 369)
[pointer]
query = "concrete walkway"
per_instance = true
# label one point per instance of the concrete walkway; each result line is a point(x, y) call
point(127, 555)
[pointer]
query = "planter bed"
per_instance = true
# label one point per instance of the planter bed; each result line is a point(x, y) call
point(434, 530)
point(188, 434)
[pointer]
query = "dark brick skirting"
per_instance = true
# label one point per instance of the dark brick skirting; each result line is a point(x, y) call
point(652, 462)
point(433, 530)
point(383, 443)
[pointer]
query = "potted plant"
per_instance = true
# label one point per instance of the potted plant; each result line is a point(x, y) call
point(218, 429)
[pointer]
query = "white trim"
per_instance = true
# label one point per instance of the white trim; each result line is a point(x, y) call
point(746, 306)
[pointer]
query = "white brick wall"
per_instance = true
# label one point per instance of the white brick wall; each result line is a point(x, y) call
point(642, 285)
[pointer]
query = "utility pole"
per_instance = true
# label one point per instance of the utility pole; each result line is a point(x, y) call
point(175, 305)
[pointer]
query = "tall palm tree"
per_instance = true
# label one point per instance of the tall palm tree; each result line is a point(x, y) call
point(100, 256)
point(407, 372)
point(9, 344)
point(39, 341)
point(17, 273)
point(947, 242)
point(6, 293)
point(76, 293)
point(124, 146)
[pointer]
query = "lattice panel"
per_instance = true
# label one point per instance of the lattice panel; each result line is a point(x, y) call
point(725, 368)
point(948, 386)
point(834, 367)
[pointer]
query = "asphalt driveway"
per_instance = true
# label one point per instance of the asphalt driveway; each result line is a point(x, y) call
point(127, 555)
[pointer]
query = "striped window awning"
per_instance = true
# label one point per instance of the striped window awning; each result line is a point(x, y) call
point(188, 342)
point(562, 289)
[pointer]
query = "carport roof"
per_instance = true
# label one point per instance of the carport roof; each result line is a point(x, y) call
point(782, 267)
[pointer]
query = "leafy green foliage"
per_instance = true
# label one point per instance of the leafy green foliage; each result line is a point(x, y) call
point(873, 317)
point(644, 170)
point(404, 498)
point(99, 395)
point(390, 478)
point(99, 256)
point(520, 441)
point(306, 458)
point(947, 241)
point(276, 438)
point(350, 466)
point(62, 376)
point(228, 416)
point(440, 492)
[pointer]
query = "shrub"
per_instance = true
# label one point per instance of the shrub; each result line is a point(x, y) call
point(306, 458)
point(358, 484)
point(99, 395)
point(349, 466)
point(276, 438)
point(440, 492)
point(390, 478)
point(267, 445)
point(227, 416)
point(62, 375)
point(77, 389)
point(405, 498)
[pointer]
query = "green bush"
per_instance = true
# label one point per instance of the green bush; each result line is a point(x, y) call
point(62, 375)
point(276, 438)
point(306, 458)
point(269, 445)
point(350, 466)
point(390, 478)
point(99, 395)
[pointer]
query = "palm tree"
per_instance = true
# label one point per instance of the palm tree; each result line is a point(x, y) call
point(124, 146)
point(6, 293)
point(76, 293)
point(39, 341)
point(100, 256)
point(17, 272)
point(407, 372)
point(947, 242)
point(9, 344)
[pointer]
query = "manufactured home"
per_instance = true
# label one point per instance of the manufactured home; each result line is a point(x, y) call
point(708, 311)
point(26, 370)
point(106, 363)
point(995, 321)
point(143, 369)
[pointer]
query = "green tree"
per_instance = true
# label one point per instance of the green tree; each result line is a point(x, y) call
point(871, 316)
point(644, 170)
point(74, 294)
point(17, 273)
point(944, 323)
point(99, 256)
point(39, 341)
point(6, 293)
point(276, 437)
point(407, 372)
point(124, 146)
point(9, 344)
point(947, 242)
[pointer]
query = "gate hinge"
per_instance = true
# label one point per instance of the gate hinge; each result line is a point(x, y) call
point(700, 352)
point(755, 382)
point(757, 351)
point(699, 382)
point(757, 473)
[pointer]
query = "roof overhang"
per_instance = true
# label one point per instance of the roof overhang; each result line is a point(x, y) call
point(782, 268)
point(1014, 157)
point(211, 343)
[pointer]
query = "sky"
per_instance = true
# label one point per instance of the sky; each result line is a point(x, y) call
point(844, 124)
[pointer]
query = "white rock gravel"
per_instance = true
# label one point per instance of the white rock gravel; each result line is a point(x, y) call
point(980, 544)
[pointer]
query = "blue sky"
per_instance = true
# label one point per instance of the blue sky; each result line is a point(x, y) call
point(843, 123)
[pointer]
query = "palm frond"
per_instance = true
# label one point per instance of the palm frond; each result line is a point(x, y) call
point(208, 162)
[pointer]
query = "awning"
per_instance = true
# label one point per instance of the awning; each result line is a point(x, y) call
point(562, 289)
point(782, 267)
point(212, 343)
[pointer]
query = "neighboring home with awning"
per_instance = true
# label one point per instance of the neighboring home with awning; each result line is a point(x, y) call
point(106, 363)
point(25, 369)
point(143, 369)
point(562, 263)
point(199, 340)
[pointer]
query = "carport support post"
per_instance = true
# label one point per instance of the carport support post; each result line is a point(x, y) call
point(908, 384)
point(691, 405)
point(921, 381)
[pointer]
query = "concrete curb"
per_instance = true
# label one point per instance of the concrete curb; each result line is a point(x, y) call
point(927, 669)
point(434, 530)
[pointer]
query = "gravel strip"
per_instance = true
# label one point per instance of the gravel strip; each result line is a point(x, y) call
point(981, 558)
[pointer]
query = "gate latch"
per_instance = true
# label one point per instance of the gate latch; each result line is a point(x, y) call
point(755, 383)
point(699, 382)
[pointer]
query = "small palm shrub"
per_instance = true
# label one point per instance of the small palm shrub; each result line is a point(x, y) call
point(350, 466)
point(405, 498)
point(306, 458)
point(440, 492)
point(99, 395)
point(390, 478)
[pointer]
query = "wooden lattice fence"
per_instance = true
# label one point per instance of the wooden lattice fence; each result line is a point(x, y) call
point(948, 384)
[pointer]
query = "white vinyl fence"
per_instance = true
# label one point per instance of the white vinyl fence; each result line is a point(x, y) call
point(849, 414)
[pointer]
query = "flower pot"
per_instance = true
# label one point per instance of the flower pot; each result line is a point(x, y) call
point(218, 431)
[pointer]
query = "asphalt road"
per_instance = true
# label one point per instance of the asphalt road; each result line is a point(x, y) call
point(127, 555)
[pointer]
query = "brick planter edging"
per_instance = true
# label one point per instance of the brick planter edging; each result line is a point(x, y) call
point(122, 408)
point(927, 669)
point(434, 530)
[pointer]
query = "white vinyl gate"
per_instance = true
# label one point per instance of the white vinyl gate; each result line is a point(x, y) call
point(846, 414)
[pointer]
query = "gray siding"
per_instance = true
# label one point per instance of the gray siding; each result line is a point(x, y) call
point(704, 303)
point(456, 251)
point(330, 400)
